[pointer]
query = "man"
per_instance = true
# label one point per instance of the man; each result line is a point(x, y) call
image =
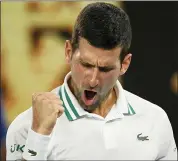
point(91, 117)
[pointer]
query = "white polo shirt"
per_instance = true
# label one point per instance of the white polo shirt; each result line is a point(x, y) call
point(134, 129)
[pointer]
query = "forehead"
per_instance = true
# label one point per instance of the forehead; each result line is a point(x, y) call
point(90, 53)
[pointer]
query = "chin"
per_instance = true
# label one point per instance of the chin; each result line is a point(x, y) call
point(91, 107)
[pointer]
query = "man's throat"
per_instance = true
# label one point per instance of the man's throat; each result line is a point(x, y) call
point(106, 106)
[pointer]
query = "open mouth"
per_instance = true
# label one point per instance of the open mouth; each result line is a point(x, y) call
point(89, 94)
point(89, 97)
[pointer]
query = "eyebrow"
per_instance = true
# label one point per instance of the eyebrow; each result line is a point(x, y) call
point(92, 65)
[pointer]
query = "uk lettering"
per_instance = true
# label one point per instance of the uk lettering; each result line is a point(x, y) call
point(17, 147)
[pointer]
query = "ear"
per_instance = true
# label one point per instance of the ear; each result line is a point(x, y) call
point(68, 51)
point(125, 63)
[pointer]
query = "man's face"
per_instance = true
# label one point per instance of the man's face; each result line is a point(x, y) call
point(94, 73)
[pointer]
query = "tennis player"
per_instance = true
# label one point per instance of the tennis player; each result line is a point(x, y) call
point(91, 117)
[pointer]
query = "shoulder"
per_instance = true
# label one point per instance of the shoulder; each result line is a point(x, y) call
point(21, 122)
point(144, 107)
point(17, 134)
point(151, 115)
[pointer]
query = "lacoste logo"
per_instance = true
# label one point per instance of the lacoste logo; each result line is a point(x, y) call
point(33, 153)
point(142, 138)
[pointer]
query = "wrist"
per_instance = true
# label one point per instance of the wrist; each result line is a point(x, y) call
point(36, 146)
point(42, 130)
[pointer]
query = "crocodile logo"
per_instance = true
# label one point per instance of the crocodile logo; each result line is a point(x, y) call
point(33, 153)
point(142, 138)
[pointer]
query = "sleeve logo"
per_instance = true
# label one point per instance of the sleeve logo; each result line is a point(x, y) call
point(17, 147)
point(33, 153)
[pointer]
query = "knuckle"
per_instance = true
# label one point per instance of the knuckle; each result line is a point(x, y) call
point(36, 95)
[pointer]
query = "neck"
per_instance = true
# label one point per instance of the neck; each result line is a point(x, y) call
point(106, 106)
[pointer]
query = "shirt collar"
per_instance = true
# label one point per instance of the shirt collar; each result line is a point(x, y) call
point(74, 111)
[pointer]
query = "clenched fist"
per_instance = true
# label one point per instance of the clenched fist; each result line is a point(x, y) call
point(47, 107)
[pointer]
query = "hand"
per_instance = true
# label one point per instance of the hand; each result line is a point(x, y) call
point(47, 107)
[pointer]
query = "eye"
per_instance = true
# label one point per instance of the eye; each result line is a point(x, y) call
point(104, 69)
point(87, 65)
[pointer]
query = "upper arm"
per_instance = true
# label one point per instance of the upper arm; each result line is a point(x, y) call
point(167, 142)
point(16, 139)
point(171, 152)
point(15, 143)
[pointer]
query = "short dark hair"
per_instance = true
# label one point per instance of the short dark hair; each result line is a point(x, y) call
point(104, 26)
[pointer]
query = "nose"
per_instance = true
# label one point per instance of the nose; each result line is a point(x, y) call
point(94, 79)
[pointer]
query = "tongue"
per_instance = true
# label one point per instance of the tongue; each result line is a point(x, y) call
point(88, 97)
